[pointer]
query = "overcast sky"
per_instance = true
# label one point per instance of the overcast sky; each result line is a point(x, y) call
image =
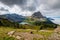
point(49, 8)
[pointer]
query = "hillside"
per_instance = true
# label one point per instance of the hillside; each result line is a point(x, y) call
point(36, 21)
point(10, 20)
point(13, 17)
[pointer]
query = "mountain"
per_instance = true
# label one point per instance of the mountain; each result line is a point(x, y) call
point(13, 17)
point(39, 17)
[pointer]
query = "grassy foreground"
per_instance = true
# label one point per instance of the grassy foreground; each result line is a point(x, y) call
point(5, 30)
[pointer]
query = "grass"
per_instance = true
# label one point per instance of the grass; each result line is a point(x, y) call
point(4, 30)
point(7, 38)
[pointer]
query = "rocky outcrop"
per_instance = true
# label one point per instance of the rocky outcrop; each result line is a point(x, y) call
point(32, 36)
point(57, 30)
point(55, 35)
point(24, 35)
point(37, 15)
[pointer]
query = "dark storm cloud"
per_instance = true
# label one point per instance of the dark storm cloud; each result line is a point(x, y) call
point(3, 9)
point(53, 4)
point(12, 2)
point(22, 3)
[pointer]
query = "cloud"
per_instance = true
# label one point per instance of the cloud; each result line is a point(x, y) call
point(55, 4)
point(57, 20)
point(12, 2)
point(31, 5)
point(49, 8)
point(3, 9)
point(24, 4)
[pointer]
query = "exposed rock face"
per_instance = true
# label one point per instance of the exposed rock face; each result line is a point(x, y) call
point(37, 15)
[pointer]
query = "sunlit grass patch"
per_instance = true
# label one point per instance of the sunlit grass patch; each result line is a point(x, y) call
point(5, 30)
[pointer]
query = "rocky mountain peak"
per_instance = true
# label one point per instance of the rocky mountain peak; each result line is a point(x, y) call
point(37, 15)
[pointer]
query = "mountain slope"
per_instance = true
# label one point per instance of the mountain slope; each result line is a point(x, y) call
point(39, 17)
point(13, 17)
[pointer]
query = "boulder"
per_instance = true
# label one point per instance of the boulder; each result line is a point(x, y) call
point(10, 33)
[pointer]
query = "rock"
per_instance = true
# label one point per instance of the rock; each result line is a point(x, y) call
point(10, 33)
point(24, 35)
point(57, 30)
point(18, 37)
point(54, 36)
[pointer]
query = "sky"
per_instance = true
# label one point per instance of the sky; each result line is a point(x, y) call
point(48, 8)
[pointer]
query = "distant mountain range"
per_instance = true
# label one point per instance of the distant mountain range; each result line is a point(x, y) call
point(18, 21)
point(13, 17)
point(19, 18)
